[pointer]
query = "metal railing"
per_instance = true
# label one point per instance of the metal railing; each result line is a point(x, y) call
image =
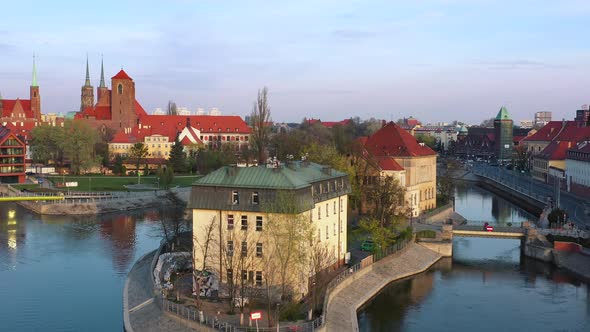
point(368, 261)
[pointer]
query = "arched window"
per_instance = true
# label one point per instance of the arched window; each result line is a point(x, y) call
point(120, 88)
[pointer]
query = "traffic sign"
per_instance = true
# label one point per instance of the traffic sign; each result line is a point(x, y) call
point(256, 315)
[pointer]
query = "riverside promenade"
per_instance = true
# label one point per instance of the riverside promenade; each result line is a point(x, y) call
point(352, 293)
point(141, 313)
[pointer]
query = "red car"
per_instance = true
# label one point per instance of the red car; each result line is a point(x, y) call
point(488, 228)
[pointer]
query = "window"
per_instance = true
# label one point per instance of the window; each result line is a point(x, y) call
point(341, 206)
point(251, 276)
point(230, 222)
point(230, 274)
point(334, 229)
point(255, 198)
point(319, 212)
point(244, 275)
point(259, 249)
point(120, 88)
point(230, 248)
point(244, 223)
point(258, 278)
point(244, 248)
point(334, 207)
point(259, 223)
point(327, 210)
point(235, 198)
point(327, 233)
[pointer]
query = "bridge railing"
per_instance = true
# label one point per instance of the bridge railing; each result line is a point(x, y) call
point(511, 181)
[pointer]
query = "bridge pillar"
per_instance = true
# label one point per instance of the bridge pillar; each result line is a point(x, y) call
point(447, 232)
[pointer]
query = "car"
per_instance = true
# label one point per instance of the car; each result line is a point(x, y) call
point(368, 245)
point(488, 228)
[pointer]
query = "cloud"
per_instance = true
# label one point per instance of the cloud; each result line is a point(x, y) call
point(353, 34)
point(521, 64)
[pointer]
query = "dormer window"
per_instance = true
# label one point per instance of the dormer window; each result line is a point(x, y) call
point(235, 198)
point(255, 200)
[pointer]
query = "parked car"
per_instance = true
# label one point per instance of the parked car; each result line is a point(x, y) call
point(368, 245)
point(488, 228)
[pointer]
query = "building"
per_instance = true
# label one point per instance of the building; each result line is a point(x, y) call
point(328, 124)
point(542, 118)
point(114, 109)
point(236, 207)
point(526, 123)
point(577, 169)
point(549, 145)
point(12, 157)
point(399, 154)
point(583, 116)
point(23, 110)
point(503, 132)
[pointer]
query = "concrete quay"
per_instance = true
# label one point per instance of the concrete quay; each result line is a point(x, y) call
point(346, 298)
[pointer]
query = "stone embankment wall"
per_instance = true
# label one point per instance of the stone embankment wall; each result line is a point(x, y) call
point(83, 207)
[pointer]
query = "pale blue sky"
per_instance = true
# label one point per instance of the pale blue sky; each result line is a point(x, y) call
point(437, 60)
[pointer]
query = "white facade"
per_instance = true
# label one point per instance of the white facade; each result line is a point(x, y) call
point(577, 172)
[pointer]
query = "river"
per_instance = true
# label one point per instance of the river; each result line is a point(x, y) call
point(486, 286)
point(68, 273)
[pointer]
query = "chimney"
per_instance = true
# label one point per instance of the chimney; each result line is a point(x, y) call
point(188, 122)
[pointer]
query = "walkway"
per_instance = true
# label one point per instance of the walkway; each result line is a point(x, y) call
point(144, 313)
point(353, 292)
point(477, 231)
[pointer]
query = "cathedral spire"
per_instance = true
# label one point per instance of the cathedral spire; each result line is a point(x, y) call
point(34, 83)
point(102, 85)
point(87, 83)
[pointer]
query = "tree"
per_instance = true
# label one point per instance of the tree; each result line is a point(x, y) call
point(430, 141)
point(177, 157)
point(171, 109)
point(165, 176)
point(387, 199)
point(78, 144)
point(260, 117)
point(445, 184)
point(522, 158)
point(138, 152)
point(487, 123)
point(318, 263)
point(118, 167)
point(204, 243)
point(46, 146)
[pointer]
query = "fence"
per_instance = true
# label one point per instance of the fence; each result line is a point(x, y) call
point(368, 261)
point(520, 184)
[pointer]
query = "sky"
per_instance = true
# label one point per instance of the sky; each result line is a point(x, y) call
point(436, 60)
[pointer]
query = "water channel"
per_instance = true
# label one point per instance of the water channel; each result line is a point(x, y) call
point(486, 286)
point(68, 274)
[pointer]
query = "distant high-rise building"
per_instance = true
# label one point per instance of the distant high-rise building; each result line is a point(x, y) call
point(542, 118)
point(158, 111)
point(215, 111)
point(526, 123)
point(200, 111)
point(583, 116)
point(183, 111)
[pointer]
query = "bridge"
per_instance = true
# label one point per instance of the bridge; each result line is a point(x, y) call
point(30, 198)
point(505, 232)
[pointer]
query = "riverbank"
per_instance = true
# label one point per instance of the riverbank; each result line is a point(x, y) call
point(345, 300)
point(104, 204)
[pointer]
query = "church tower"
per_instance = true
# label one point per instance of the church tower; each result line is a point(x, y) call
point(87, 95)
point(503, 130)
point(123, 101)
point(103, 96)
point(34, 95)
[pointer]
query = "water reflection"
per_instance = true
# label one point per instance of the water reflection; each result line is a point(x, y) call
point(59, 272)
point(475, 203)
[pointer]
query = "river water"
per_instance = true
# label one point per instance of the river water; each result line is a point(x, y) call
point(68, 273)
point(486, 286)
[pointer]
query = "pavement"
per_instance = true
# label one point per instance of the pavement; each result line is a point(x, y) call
point(141, 312)
point(353, 292)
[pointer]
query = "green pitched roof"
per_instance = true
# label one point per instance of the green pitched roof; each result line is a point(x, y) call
point(463, 129)
point(503, 114)
point(34, 81)
point(294, 176)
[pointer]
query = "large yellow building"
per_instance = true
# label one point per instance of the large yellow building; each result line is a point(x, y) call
point(395, 152)
point(246, 221)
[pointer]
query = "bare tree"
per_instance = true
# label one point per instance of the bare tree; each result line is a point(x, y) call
point(260, 117)
point(204, 244)
point(318, 262)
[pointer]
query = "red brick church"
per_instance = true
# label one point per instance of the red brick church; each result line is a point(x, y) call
point(22, 110)
point(115, 108)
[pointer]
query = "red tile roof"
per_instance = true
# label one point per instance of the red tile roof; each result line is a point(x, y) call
point(9, 104)
point(122, 137)
point(555, 150)
point(556, 130)
point(393, 141)
point(388, 164)
point(209, 124)
point(122, 75)
point(328, 124)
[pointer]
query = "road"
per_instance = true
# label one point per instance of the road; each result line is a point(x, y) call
point(578, 208)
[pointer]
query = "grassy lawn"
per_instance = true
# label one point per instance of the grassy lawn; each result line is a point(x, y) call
point(117, 183)
point(27, 186)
